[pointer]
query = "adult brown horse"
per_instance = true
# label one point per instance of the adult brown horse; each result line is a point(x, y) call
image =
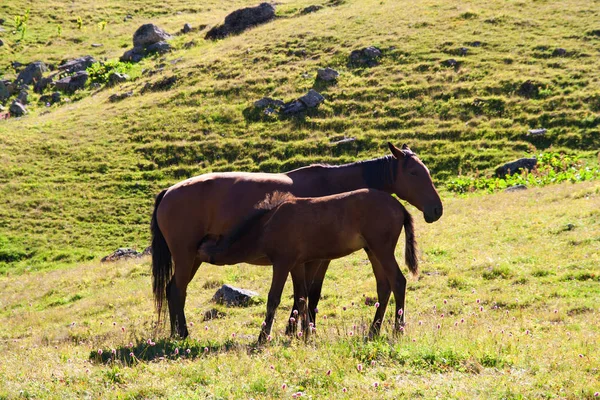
point(292, 231)
point(212, 204)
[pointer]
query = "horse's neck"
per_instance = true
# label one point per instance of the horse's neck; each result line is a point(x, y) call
point(319, 180)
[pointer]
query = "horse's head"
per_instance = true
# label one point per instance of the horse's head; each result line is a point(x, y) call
point(413, 183)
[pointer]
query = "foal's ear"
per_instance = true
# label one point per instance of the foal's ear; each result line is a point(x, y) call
point(405, 147)
point(396, 151)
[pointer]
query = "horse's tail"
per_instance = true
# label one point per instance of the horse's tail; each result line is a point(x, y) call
point(410, 250)
point(162, 263)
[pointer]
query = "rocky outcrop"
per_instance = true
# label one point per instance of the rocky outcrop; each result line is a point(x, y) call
point(31, 73)
point(240, 20)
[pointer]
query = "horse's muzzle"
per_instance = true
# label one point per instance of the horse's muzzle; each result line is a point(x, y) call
point(433, 214)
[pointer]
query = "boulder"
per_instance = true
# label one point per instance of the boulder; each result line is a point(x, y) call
point(120, 254)
point(134, 55)
point(233, 296)
point(451, 62)
point(516, 166)
point(17, 109)
point(72, 83)
point(310, 100)
point(187, 28)
point(32, 72)
point(240, 20)
point(115, 78)
point(327, 74)
point(148, 34)
point(78, 64)
point(158, 47)
point(367, 57)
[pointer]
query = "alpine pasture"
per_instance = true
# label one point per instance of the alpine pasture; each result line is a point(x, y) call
point(506, 305)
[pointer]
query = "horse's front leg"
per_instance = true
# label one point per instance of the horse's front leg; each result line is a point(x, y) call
point(280, 273)
point(300, 298)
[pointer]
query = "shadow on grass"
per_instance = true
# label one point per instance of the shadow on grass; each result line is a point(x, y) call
point(170, 349)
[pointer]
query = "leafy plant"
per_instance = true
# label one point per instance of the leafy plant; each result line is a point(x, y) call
point(100, 71)
point(551, 168)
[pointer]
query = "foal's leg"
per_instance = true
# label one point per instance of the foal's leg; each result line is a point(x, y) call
point(383, 293)
point(280, 273)
point(300, 298)
point(397, 282)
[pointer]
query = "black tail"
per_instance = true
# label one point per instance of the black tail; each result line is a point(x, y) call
point(162, 264)
point(410, 250)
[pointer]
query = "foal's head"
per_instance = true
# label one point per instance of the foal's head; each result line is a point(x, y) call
point(413, 183)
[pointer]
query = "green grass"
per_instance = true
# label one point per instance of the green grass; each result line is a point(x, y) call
point(77, 181)
point(535, 336)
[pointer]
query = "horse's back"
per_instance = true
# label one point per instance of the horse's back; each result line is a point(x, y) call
point(214, 203)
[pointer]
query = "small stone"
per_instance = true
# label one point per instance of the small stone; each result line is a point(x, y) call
point(311, 9)
point(516, 188)
point(120, 254)
point(233, 296)
point(189, 45)
point(367, 57)
point(22, 97)
point(463, 51)
point(537, 132)
point(55, 97)
point(133, 55)
point(97, 45)
point(187, 28)
point(17, 109)
point(268, 102)
point(213, 313)
point(312, 99)
point(327, 74)
point(116, 78)
point(451, 62)
point(118, 97)
point(559, 52)
point(1, 43)
point(4, 92)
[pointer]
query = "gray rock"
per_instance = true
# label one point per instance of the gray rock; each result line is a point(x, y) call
point(17, 109)
point(32, 72)
point(367, 57)
point(189, 44)
point(450, 63)
point(310, 9)
point(4, 93)
point(212, 314)
point(96, 44)
point(463, 51)
point(233, 296)
point(148, 34)
point(187, 28)
point(242, 19)
point(78, 64)
point(43, 83)
point(56, 97)
point(516, 188)
point(120, 254)
point(516, 166)
point(115, 78)
point(72, 83)
point(133, 55)
point(559, 52)
point(327, 74)
point(537, 132)
point(293, 107)
point(1, 43)
point(312, 99)
point(120, 96)
point(22, 97)
point(49, 99)
point(268, 102)
point(158, 47)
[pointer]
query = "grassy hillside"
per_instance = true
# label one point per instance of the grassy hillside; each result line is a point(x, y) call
point(506, 307)
point(77, 179)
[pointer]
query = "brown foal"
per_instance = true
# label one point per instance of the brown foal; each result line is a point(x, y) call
point(291, 232)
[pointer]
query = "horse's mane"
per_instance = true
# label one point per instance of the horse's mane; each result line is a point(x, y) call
point(269, 203)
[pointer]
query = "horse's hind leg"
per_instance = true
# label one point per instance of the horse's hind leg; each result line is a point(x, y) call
point(184, 265)
point(383, 293)
point(314, 273)
point(300, 298)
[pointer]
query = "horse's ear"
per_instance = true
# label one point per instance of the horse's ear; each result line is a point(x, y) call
point(396, 151)
point(405, 147)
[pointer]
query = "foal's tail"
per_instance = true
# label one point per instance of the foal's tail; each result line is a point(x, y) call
point(162, 264)
point(410, 250)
